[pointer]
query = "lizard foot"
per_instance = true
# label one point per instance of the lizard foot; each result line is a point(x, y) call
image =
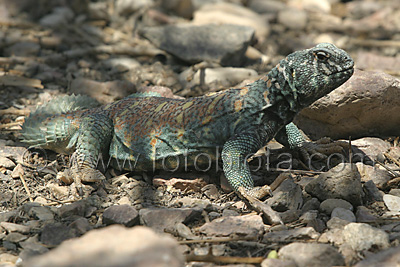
point(70, 176)
point(322, 148)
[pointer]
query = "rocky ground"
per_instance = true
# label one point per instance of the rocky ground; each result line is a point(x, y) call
point(345, 211)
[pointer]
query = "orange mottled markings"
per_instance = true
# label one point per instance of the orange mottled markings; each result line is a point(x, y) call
point(238, 105)
point(269, 83)
point(265, 94)
point(244, 91)
point(207, 119)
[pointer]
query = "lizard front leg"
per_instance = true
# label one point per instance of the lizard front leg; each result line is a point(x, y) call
point(90, 141)
point(290, 136)
point(236, 168)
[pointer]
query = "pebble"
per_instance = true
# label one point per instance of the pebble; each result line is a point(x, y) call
point(293, 19)
point(170, 217)
point(250, 226)
point(15, 237)
point(369, 173)
point(385, 258)
point(392, 202)
point(13, 227)
point(114, 246)
point(60, 16)
point(364, 215)
point(121, 214)
point(361, 236)
point(6, 163)
point(373, 194)
point(337, 223)
point(342, 181)
point(41, 213)
point(344, 214)
point(287, 196)
point(312, 204)
point(328, 205)
point(53, 234)
point(284, 235)
point(194, 44)
point(311, 254)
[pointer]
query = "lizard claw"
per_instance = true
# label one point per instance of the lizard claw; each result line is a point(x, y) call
point(70, 176)
point(322, 148)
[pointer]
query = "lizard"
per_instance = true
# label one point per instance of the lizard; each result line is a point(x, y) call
point(148, 132)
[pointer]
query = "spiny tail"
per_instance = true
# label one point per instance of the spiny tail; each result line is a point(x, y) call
point(48, 128)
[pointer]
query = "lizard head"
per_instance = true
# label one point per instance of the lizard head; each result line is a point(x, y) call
point(315, 72)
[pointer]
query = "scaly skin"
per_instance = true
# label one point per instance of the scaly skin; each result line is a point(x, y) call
point(144, 132)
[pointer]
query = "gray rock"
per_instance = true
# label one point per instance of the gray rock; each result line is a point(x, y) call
point(374, 147)
point(342, 181)
point(127, 7)
point(121, 214)
point(262, 6)
point(80, 226)
point(364, 215)
point(224, 13)
point(122, 63)
point(41, 213)
point(372, 192)
point(74, 209)
point(392, 202)
point(395, 192)
point(309, 255)
point(6, 163)
point(312, 204)
point(5, 216)
point(59, 17)
point(288, 196)
point(13, 227)
point(284, 235)
point(31, 247)
point(15, 237)
point(216, 77)
point(114, 246)
point(328, 205)
point(338, 114)
point(271, 262)
point(169, 217)
point(361, 236)
point(247, 225)
point(293, 19)
point(54, 233)
point(229, 212)
point(344, 214)
point(224, 44)
point(333, 236)
point(337, 223)
point(385, 258)
point(23, 49)
point(367, 150)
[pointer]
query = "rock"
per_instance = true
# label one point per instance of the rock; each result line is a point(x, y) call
point(229, 13)
point(392, 202)
point(6, 163)
point(216, 78)
point(339, 114)
point(127, 7)
point(385, 258)
point(170, 217)
point(395, 192)
point(361, 236)
point(224, 44)
point(58, 18)
point(289, 216)
point(98, 11)
point(13, 227)
point(182, 8)
point(23, 49)
point(337, 223)
point(121, 214)
point(319, 6)
point(377, 176)
point(328, 205)
point(80, 226)
point(342, 181)
point(54, 233)
point(262, 6)
point(5, 216)
point(78, 208)
point(211, 191)
point(114, 246)
point(305, 233)
point(271, 262)
point(371, 61)
point(104, 92)
point(368, 149)
point(189, 202)
point(121, 64)
point(32, 247)
point(344, 214)
point(364, 215)
point(229, 212)
point(293, 19)
point(372, 192)
point(15, 237)
point(312, 204)
point(288, 196)
point(41, 213)
point(247, 225)
point(333, 236)
point(309, 254)
point(181, 184)
point(7, 259)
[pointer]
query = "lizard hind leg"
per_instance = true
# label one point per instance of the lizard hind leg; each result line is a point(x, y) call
point(91, 142)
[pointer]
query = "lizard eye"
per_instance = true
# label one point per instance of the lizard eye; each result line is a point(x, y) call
point(321, 55)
